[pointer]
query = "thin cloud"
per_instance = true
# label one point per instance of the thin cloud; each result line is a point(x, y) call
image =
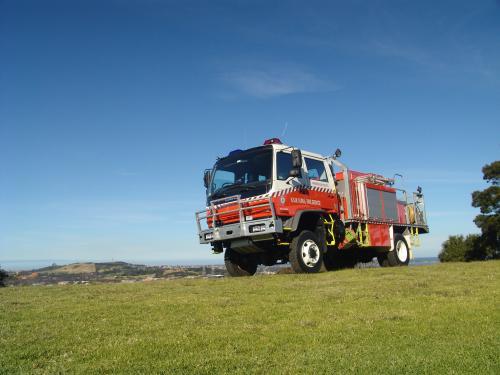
point(276, 81)
point(407, 52)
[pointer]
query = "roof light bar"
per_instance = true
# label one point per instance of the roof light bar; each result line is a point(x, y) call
point(272, 141)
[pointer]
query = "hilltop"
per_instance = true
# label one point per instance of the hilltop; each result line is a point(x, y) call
point(78, 273)
point(432, 319)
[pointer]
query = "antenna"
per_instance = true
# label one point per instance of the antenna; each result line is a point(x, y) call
point(284, 129)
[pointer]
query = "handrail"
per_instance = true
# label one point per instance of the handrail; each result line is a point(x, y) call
point(211, 211)
point(347, 188)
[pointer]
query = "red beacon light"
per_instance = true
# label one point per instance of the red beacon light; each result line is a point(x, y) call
point(273, 141)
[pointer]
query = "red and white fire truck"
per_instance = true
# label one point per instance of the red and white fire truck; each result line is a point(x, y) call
point(275, 203)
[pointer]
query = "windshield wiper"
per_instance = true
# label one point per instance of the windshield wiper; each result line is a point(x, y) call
point(222, 192)
point(224, 189)
point(227, 187)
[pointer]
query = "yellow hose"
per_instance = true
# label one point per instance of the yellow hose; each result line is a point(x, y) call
point(411, 214)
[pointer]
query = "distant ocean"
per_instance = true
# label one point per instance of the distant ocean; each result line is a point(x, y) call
point(26, 265)
point(424, 261)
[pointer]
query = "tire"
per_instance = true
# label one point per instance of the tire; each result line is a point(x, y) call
point(240, 264)
point(306, 253)
point(400, 256)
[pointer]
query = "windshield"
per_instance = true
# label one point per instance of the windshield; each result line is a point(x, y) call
point(247, 173)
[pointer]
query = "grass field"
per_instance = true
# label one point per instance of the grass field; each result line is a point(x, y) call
point(432, 319)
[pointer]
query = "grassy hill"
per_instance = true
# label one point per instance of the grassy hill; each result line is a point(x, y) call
point(432, 319)
point(76, 268)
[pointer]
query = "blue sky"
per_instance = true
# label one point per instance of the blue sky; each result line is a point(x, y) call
point(110, 110)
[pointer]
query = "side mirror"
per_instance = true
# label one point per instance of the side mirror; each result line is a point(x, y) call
point(296, 159)
point(206, 177)
point(296, 164)
point(338, 153)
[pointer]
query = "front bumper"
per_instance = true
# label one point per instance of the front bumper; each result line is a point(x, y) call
point(250, 229)
point(245, 227)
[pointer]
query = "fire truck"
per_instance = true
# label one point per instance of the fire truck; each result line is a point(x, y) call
point(275, 204)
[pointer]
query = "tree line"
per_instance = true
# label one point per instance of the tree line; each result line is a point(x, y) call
point(486, 245)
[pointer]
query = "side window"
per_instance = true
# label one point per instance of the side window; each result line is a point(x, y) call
point(316, 170)
point(283, 165)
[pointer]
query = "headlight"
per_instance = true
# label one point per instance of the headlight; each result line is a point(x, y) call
point(209, 236)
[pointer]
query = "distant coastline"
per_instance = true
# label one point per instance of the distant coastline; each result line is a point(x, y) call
point(26, 265)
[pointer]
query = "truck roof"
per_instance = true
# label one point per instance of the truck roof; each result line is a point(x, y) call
point(278, 147)
point(308, 153)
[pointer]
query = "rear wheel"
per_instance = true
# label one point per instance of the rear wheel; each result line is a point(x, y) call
point(400, 256)
point(240, 264)
point(306, 253)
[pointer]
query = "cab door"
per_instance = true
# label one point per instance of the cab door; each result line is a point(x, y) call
point(289, 194)
point(322, 184)
point(283, 166)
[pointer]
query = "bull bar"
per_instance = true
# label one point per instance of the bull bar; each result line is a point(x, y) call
point(246, 227)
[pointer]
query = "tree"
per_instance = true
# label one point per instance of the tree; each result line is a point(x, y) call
point(458, 248)
point(3, 277)
point(487, 245)
point(488, 201)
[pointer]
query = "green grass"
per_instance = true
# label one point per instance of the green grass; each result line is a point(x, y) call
point(430, 319)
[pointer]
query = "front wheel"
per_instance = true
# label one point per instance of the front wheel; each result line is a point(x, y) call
point(306, 253)
point(240, 264)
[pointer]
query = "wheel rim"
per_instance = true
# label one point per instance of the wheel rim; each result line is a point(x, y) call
point(402, 251)
point(310, 253)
